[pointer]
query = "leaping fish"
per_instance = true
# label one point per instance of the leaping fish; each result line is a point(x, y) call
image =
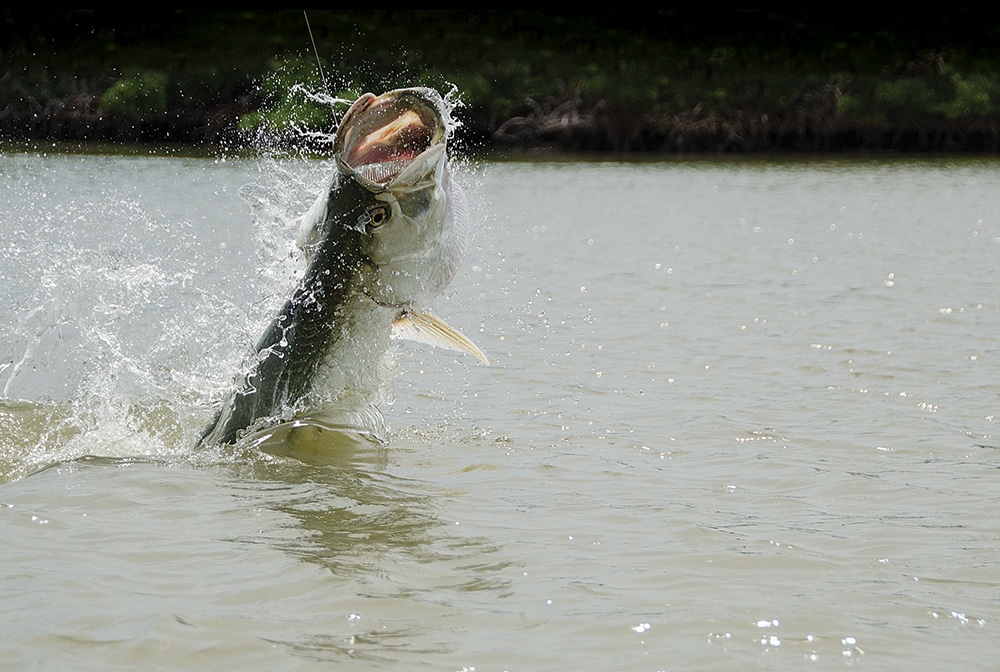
point(388, 234)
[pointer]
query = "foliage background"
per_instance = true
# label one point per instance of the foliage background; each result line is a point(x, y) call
point(658, 81)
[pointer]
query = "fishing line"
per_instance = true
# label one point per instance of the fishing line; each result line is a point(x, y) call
point(315, 50)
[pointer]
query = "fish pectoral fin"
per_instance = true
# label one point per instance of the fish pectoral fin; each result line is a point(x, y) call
point(430, 329)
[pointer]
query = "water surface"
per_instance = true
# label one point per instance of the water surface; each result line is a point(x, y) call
point(739, 414)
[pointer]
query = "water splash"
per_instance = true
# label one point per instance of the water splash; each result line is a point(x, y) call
point(122, 319)
point(135, 286)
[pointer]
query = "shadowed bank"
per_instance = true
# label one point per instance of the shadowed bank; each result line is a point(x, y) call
point(677, 81)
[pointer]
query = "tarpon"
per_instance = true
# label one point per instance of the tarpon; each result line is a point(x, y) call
point(386, 236)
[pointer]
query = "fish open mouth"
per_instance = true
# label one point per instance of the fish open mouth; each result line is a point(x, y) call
point(381, 135)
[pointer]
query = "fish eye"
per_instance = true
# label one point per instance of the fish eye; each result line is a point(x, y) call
point(378, 215)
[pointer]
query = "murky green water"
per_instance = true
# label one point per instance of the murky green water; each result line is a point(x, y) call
point(740, 415)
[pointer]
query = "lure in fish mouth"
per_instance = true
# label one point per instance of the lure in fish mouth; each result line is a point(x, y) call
point(387, 236)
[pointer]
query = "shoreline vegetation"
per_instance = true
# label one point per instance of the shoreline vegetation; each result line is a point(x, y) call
point(654, 82)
